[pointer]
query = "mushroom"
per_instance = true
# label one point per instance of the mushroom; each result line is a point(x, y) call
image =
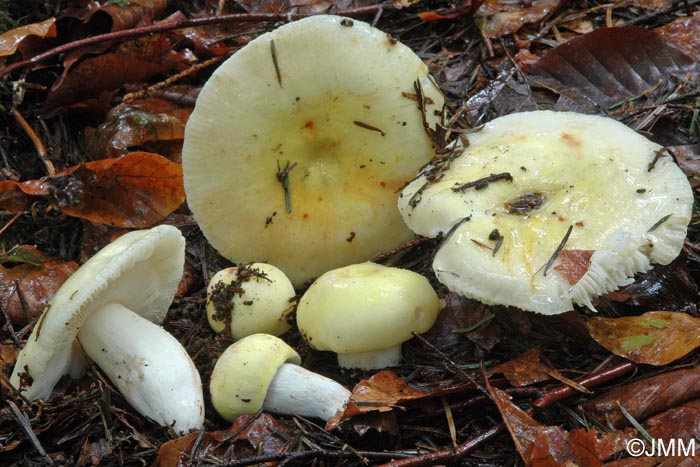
point(261, 372)
point(254, 298)
point(300, 142)
point(546, 209)
point(364, 312)
point(108, 309)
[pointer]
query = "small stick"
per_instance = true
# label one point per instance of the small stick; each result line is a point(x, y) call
point(36, 141)
point(273, 52)
point(132, 96)
point(558, 250)
point(659, 222)
point(482, 183)
point(181, 24)
point(369, 127)
point(23, 422)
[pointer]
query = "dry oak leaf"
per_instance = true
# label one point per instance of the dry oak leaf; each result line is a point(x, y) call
point(134, 191)
point(654, 338)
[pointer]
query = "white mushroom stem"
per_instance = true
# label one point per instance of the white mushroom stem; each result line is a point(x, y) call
point(383, 358)
point(148, 365)
point(298, 391)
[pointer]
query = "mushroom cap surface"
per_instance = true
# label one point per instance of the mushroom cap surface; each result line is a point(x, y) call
point(140, 270)
point(257, 300)
point(333, 101)
point(506, 203)
point(244, 371)
point(366, 307)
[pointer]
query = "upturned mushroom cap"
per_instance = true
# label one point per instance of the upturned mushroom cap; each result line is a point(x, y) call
point(257, 296)
point(304, 137)
point(364, 308)
point(140, 270)
point(244, 371)
point(506, 204)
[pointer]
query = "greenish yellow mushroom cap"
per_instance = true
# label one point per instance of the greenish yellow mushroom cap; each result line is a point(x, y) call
point(244, 371)
point(300, 141)
point(363, 312)
point(544, 210)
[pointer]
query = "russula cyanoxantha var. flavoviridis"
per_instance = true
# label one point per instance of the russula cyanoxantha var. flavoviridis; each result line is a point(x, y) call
point(254, 298)
point(364, 312)
point(534, 193)
point(261, 371)
point(300, 141)
point(111, 307)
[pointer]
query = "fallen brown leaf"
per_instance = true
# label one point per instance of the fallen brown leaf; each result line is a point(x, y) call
point(133, 191)
point(684, 34)
point(496, 18)
point(26, 288)
point(573, 264)
point(605, 67)
point(11, 40)
point(654, 338)
point(646, 397)
point(382, 392)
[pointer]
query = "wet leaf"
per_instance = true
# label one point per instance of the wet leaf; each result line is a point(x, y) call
point(654, 338)
point(681, 422)
point(11, 40)
point(133, 191)
point(141, 124)
point(646, 396)
point(382, 392)
point(133, 62)
point(573, 264)
point(26, 287)
point(670, 287)
point(598, 70)
point(684, 34)
point(524, 370)
point(496, 18)
point(118, 17)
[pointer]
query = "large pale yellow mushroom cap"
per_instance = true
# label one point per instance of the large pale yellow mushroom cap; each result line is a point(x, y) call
point(331, 100)
point(506, 204)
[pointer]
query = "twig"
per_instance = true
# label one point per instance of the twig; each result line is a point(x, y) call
point(23, 422)
point(36, 141)
point(665, 11)
point(132, 96)
point(551, 396)
point(181, 24)
point(311, 454)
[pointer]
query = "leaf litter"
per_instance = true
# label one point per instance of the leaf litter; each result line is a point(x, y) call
point(443, 402)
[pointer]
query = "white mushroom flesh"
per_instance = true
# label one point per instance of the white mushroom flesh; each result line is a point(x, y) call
point(296, 390)
point(505, 206)
point(147, 364)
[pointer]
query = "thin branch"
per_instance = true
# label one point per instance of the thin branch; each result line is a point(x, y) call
point(180, 24)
